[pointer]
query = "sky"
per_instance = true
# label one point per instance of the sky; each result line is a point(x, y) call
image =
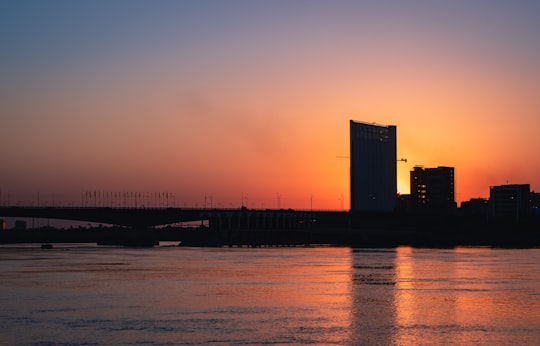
point(249, 102)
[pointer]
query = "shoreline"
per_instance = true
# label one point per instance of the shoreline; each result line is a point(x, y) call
point(355, 238)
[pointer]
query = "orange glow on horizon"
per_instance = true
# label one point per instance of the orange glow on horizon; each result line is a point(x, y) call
point(195, 105)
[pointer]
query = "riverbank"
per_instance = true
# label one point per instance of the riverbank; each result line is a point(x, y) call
point(354, 237)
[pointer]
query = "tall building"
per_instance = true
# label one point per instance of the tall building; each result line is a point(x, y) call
point(373, 167)
point(432, 189)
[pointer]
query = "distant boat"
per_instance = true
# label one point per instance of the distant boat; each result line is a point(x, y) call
point(46, 246)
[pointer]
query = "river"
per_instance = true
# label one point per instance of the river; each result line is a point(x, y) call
point(80, 294)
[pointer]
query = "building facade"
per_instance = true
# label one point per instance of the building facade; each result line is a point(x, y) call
point(373, 154)
point(509, 202)
point(432, 189)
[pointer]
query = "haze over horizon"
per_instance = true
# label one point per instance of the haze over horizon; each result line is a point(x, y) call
point(251, 100)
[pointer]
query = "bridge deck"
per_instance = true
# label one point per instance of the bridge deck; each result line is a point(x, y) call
point(142, 218)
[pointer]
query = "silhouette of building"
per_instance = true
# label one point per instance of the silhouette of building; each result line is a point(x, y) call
point(432, 189)
point(535, 203)
point(404, 202)
point(510, 202)
point(373, 167)
point(475, 206)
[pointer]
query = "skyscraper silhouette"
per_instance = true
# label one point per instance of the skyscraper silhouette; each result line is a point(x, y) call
point(373, 167)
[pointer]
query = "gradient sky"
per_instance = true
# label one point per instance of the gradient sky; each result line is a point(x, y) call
point(252, 99)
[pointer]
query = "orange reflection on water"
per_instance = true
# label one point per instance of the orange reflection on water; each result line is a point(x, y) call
point(404, 299)
point(459, 295)
point(300, 289)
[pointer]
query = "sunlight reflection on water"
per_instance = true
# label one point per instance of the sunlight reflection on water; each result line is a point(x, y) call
point(170, 295)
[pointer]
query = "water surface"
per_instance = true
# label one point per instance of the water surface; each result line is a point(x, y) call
point(75, 294)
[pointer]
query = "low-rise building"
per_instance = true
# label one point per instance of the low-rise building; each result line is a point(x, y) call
point(432, 189)
point(475, 206)
point(509, 202)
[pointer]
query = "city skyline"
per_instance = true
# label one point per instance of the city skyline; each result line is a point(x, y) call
point(238, 101)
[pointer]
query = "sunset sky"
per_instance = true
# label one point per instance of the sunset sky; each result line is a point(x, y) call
point(251, 100)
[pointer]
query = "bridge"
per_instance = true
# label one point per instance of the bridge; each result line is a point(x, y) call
point(135, 226)
point(270, 227)
point(142, 218)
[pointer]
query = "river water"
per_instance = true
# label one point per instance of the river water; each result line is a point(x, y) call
point(85, 295)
